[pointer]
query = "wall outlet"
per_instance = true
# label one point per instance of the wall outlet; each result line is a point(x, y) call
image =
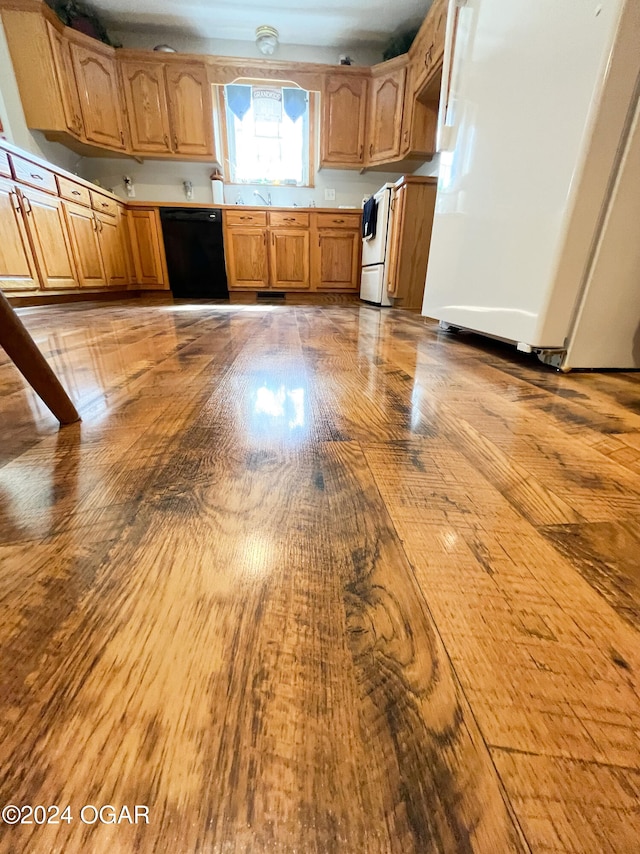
point(329, 195)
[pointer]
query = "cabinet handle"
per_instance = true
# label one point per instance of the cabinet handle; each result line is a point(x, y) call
point(338, 220)
point(100, 224)
point(246, 217)
point(27, 204)
point(36, 177)
point(105, 204)
point(175, 141)
point(370, 149)
point(76, 193)
point(15, 201)
point(122, 138)
point(264, 239)
point(289, 219)
point(273, 239)
point(166, 142)
point(361, 151)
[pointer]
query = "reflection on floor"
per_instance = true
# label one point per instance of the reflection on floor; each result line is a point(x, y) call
point(316, 579)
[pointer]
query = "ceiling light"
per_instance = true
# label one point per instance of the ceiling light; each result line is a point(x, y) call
point(266, 39)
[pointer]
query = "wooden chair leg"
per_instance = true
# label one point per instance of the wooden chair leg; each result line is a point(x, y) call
point(28, 359)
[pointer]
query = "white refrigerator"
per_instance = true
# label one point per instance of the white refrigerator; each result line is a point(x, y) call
point(536, 235)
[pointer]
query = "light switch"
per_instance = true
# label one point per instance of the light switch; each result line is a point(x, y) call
point(329, 195)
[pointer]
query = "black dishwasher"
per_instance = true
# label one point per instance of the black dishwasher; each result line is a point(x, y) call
point(195, 252)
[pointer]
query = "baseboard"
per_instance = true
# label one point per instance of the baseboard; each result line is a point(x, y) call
point(292, 298)
point(62, 297)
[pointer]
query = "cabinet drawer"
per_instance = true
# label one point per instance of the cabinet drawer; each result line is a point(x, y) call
point(34, 176)
point(72, 191)
point(245, 217)
point(289, 220)
point(337, 220)
point(103, 204)
point(5, 169)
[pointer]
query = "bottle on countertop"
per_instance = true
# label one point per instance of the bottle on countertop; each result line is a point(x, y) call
point(217, 186)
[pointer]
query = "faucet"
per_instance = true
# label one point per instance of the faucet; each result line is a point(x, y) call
point(266, 201)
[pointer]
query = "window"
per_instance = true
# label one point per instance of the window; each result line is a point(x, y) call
point(268, 130)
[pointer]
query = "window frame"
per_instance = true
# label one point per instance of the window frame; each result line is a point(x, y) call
point(221, 103)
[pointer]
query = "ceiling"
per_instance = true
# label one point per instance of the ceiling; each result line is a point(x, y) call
point(335, 23)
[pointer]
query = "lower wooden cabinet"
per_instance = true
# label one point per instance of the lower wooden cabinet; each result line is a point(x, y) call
point(413, 204)
point(17, 265)
point(289, 259)
point(246, 256)
point(112, 248)
point(336, 264)
point(292, 251)
point(83, 231)
point(148, 248)
point(49, 238)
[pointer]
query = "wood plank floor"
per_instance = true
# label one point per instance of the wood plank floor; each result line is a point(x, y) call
point(316, 579)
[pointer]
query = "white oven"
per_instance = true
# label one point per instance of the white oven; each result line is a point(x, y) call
point(374, 252)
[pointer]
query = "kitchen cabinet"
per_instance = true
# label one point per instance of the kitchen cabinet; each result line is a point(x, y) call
point(83, 230)
point(112, 248)
point(247, 259)
point(385, 112)
point(17, 264)
point(292, 250)
point(67, 86)
point(336, 251)
point(289, 259)
point(148, 248)
point(147, 109)
point(419, 123)
point(96, 74)
point(190, 109)
point(412, 205)
point(49, 237)
point(344, 111)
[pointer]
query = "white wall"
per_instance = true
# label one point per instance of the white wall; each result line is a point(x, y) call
point(13, 120)
point(363, 54)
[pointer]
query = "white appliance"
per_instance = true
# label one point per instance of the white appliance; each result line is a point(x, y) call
point(536, 236)
point(375, 252)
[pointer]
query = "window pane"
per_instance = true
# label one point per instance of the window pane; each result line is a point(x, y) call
point(265, 144)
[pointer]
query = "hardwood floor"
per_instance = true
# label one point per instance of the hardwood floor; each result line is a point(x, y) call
point(316, 579)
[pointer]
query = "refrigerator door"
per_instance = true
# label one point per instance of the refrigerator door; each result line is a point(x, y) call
point(524, 88)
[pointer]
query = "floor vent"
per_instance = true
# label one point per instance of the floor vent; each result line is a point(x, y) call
point(271, 295)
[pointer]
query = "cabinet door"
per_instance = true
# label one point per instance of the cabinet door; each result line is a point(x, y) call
point(246, 256)
point(17, 265)
point(97, 79)
point(66, 80)
point(336, 263)
point(49, 236)
point(397, 220)
point(112, 248)
point(343, 119)
point(83, 230)
point(148, 248)
point(190, 109)
point(146, 101)
point(289, 250)
point(385, 118)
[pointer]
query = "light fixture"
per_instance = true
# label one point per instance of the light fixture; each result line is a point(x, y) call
point(188, 190)
point(266, 39)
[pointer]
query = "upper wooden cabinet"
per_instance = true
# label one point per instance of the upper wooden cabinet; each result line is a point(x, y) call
point(190, 109)
point(385, 114)
point(98, 86)
point(67, 86)
point(344, 114)
point(147, 109)
point(170, 108)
